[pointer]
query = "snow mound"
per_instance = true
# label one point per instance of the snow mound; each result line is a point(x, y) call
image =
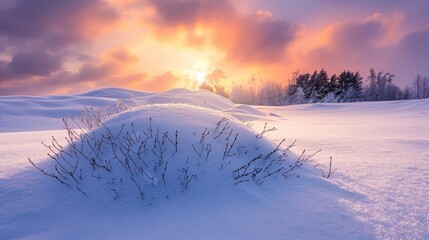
point(158, 151)
point(114, 93)
point(245, 109)
point(201, 98)
point(46, 110)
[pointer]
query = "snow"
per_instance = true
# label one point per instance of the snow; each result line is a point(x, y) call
point(378, 192)
point(160, 149)
point(46, 110)
point(381, 150)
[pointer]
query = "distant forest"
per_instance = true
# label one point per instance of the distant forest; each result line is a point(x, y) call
point(320, 87)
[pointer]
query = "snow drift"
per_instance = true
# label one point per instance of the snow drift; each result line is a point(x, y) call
point(46, 111)
point(157, 151)
point(375, 146)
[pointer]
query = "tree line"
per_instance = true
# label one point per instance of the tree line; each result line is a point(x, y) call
point(318, 86)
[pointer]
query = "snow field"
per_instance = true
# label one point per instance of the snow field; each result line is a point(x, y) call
point(378, 192)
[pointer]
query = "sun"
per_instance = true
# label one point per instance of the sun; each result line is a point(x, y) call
point(200, 70)
point(200, 77)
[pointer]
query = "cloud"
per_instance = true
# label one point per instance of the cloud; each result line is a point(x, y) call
point(94, 72)
point(354, 41)
point(30, 85)
point(89, 75)
point(56, 23)
point(415, 46)
point(122, 55)
point(412, 54)
point(254, 38)
point(60, 45)
point(35, 63)
point(41, 72)
point(6, 74)
point(375, 42)
point(353, 35)
point(112, 67)
point(261, 38)
point(59, 30)
point(160, 82)
point(216, 75)
point(355, 45)
point(189, 13)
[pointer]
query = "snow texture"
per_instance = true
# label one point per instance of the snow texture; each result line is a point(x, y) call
point(378, 192)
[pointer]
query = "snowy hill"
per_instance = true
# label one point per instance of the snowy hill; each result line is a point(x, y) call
point(46, 110)
point(378, 192)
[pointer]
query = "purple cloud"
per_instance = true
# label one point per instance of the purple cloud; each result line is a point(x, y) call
point(349, 45)
point(415, 45)
point(56, 23)
point(174, 13)
point(35, 63)
point(354, 36)
point(412, 55)
point(261, 38)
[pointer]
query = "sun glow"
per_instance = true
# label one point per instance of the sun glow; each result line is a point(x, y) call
point(200, 76)
point(200, 70)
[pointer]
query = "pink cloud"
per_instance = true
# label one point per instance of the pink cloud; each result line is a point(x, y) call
point(255, 38)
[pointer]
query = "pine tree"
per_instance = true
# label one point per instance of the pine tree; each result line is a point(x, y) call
point(318, 88)
point(333, 84)
point(303, 82)
point(349, 86)
point(357, 85)
point(322, 84)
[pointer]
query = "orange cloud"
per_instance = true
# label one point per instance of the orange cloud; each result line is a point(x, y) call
point(161, 82)
point(255, 38)
point(121, 55)
point(216, 75)
point(77, 42)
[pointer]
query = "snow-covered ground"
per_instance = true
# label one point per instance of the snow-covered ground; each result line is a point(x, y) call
point(381, 151)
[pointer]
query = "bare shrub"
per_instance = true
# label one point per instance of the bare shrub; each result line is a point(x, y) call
point(144, 158)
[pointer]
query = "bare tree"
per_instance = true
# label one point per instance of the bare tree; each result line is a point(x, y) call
point(380, 87)
point(421, 87)
point(271, 94)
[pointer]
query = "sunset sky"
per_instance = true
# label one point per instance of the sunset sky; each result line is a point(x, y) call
point(70, 46)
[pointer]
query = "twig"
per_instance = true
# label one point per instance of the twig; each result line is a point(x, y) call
point(140, 190)
point(330, 172)
point(163, 173)
point(84, 193)
point(204, 135)
point(275, 149)
point(259, 135)
point(47, 174)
